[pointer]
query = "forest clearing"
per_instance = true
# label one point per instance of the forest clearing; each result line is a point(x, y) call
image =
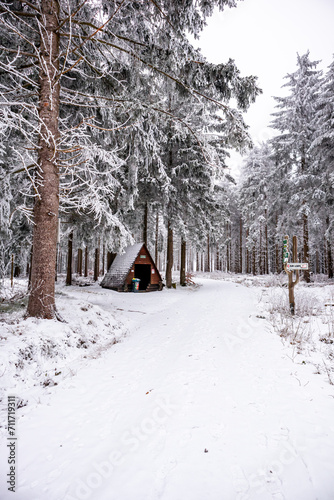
point(210, 391)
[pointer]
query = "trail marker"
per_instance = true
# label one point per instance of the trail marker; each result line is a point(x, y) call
point(296, 266)
point(292, 283)
point(285, 249)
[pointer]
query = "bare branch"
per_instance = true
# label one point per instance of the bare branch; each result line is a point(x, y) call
point(101, 27)
point(17, 12)
point(14, 30)
point(163, 14)
point(92, 96)
point(70, 16)
point(71, 67)
point(107, 32)
point(30, 5)
point(110, 129)
point(15, 51)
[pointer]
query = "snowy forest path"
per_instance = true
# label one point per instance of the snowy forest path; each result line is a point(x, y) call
point(200, 401)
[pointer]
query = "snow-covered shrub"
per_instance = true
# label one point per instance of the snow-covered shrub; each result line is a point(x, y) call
point(306, 301)
point(273, 280)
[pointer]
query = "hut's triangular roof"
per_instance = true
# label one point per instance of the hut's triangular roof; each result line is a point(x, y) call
point(119, 269)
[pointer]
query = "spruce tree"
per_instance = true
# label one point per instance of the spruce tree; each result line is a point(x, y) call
point(295, 121)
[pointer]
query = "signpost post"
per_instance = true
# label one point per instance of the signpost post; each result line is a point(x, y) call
point(291, 267)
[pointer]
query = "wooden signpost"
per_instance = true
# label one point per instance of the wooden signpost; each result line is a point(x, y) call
point(291, 267)
point(297, 266)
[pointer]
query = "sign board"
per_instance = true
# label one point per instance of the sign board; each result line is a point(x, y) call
point(285, 250)
point(297, 266)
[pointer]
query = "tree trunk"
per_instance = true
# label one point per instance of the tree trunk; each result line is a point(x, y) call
point(86, 262)
point(69, 260)
point(56, 266)
point(247, 253)
point(329, 260)
point(260, 254)
point(169, 264)
point(278, 254)
point(183, 263)
point(253, 262)
point(29, 275)
point(207, 262)
point(103, 258)
point(306, 248)
point(79, 263)
point(266, 270)
point(228, 249)
point(145, 223)
point(60, 262)
point(12, 271)
point(329, 254)
point(156, 238)
point(317, 262)
point(96, 264)
point(42, 295)
point(240, 248)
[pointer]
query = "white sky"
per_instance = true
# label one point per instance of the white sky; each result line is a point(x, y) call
point(263, 37)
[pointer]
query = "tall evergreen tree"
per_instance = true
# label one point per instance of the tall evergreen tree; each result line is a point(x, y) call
point(323, 147)
point(295, 121)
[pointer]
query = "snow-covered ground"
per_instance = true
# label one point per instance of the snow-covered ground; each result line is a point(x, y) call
point(206, 393)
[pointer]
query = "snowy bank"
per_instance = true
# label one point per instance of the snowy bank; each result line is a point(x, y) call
point(41, 353)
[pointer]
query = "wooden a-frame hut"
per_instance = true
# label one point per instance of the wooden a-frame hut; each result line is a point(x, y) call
point(135, 262)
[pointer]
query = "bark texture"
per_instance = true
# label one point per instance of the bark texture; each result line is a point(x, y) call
point(183, 263)
point(156, 238)
point(145, 223)
point(69, 260)
point(42, 295)
point(86, 262)
point(169, 266)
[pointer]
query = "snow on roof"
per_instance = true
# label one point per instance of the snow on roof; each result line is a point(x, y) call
point(119, 269)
